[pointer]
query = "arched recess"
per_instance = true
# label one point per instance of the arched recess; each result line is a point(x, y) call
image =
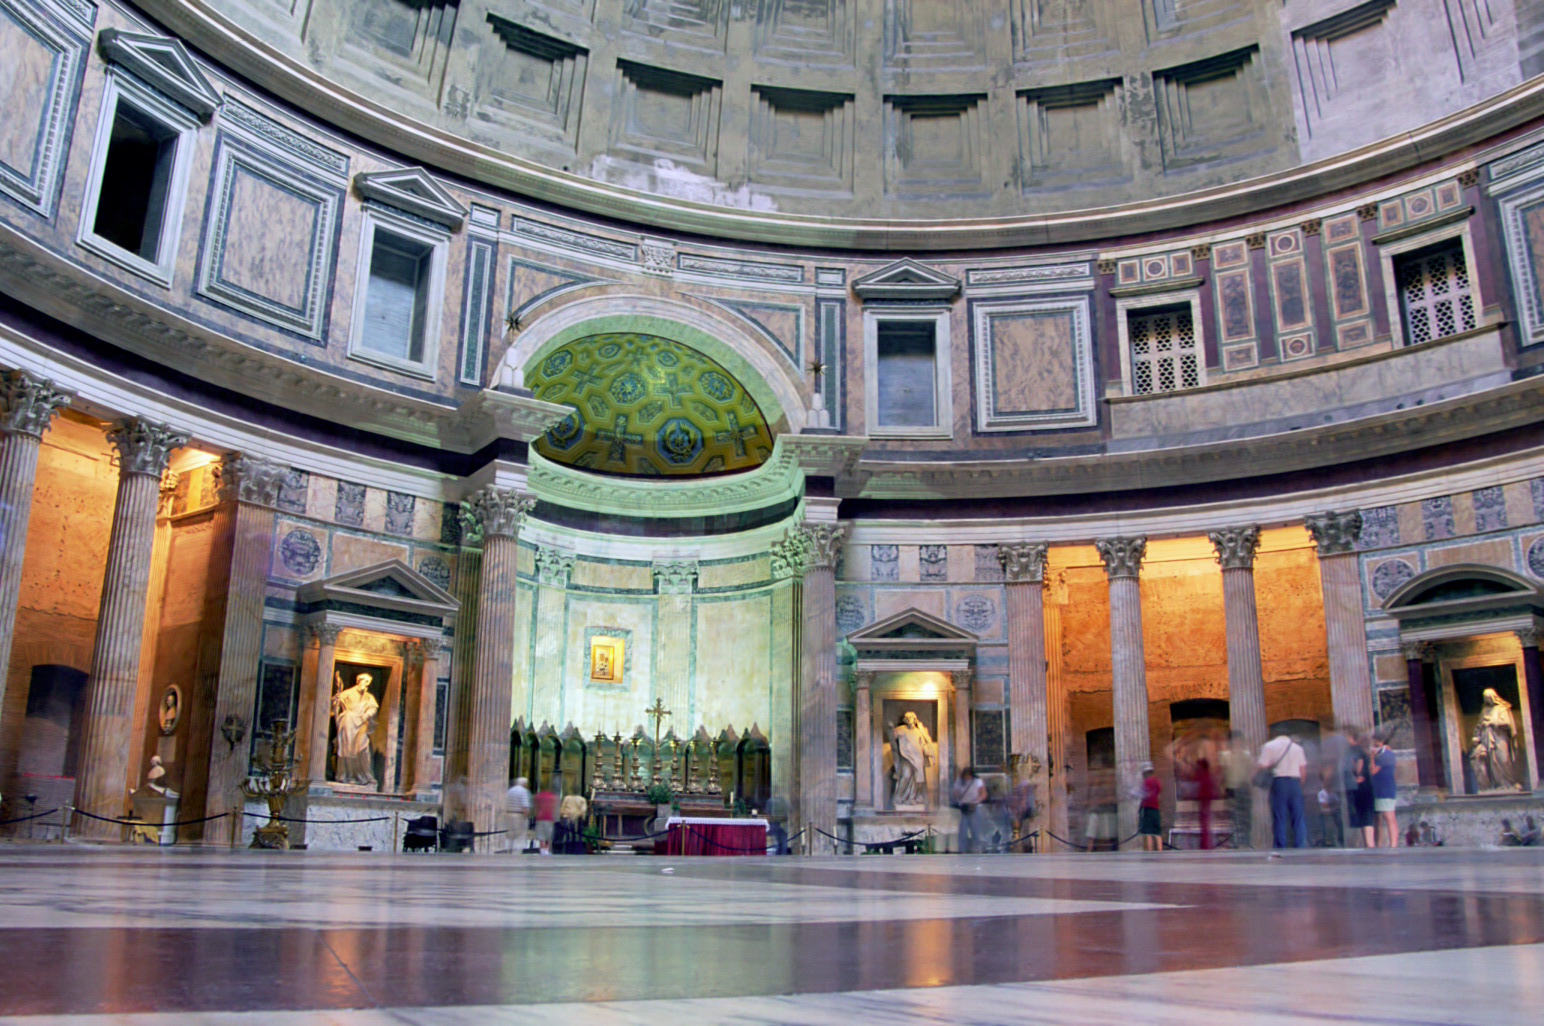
point(779, 395)
point(1462, 592)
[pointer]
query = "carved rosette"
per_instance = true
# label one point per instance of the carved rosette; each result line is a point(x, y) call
point(675, 578)
point(1122, 556)
point(790, 555)
point(145, 447)
point(1334, 533)
point(824, 544)
point(553, 566)
point(1415, 651)
point(1236, 547)
point(250, 479)
point(28, 403)
point(1023, 562)
point(497, 511)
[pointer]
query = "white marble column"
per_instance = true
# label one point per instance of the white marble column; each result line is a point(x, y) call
point(675, 582)
point(501, 512)
point(27, 407)
point(316, 718)
point(101, 783)
point(863, 740)
point(426, 653)
point(253, 486)
point(818, 546)
point(1236, 548)
point(1128, 664)
point(1335, 535)
point(1028, 714)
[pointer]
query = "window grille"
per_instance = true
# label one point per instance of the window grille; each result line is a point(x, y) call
point(1165, 355)
point(1434, 293)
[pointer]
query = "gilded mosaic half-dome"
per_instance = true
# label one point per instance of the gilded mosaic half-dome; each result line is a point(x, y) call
point(647, 405)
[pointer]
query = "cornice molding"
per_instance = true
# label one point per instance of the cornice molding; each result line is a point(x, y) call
point(200, 23)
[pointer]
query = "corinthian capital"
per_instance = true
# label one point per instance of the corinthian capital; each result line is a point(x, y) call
point(145, 447)
point(250, 479)
point(1023, 562)
point(1236, 547)
point(1122, 556)
point(498, 511)
point(824, 544)
point(1414, 651)
point(28, 403)
point(1334, 533)
point(790, 555)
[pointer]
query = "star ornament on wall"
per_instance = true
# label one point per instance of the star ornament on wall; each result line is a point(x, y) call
point(817, 368)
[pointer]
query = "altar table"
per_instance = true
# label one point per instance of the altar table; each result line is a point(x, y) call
point(704, 835)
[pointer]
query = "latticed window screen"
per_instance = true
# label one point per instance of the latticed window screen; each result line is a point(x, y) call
point(1164, 352)
point(1435, 293)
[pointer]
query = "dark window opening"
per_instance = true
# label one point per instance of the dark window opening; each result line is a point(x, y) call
point(907, 355)
point(398, 297)
point(136, 178)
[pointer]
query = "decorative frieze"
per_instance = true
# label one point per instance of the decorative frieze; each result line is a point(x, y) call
point(1236, 546)
point(145, 447)
point(1023, 562)
point(498, 511)
point(1334, 533)
point(28, 403)
point(1122, 556)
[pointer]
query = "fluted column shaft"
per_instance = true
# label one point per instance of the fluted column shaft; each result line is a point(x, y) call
point(819, 545)
point(1028, 712)
point(102, 784)
point(1345, 628)
point(1236, 548)
point(254, 486)
point(500, 511)
point(1128, 670)
point(316, 720)
point(1059, 729)
point(27, 407)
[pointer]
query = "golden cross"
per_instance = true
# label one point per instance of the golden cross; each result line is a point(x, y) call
point(658, 712)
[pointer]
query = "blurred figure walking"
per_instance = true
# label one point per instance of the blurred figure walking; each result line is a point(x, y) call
point(517, 816)
point(1238, 766)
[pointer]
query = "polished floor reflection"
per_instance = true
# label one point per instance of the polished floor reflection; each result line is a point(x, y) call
point(94, 935)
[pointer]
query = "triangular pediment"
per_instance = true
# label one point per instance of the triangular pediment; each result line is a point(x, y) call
point(910, 628)
point(390, 586)
point(907, 279)
point(163, 64)
point(414, 190)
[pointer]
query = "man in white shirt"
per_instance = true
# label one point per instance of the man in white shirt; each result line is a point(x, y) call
point(517, 816)
point(1288, 764)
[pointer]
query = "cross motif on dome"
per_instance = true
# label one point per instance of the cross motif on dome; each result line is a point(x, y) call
point(736, 434)
point(584, 379)
point(619, 439)
point(673, 388)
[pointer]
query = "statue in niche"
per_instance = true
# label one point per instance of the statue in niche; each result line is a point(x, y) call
point(914, 753)
point(354, 710)
point(1493, 754)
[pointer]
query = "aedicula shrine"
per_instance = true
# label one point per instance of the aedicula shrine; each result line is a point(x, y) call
point(792, 402)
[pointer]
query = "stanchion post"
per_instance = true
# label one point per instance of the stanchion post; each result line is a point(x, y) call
point(396, 823)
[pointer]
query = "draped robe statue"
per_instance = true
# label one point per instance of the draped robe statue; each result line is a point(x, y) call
point(914, 752)
point(1494, 752)
point(354, 710)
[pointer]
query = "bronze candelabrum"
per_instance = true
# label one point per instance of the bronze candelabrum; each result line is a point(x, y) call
point(274, 782)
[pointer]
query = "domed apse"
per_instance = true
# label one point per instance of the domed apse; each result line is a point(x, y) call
point(648, 406)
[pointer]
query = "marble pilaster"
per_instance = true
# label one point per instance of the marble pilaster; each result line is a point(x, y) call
point(1428, 766)
point(101, 782)
point(463, 649)
point(316, 719)
point(425, 654)
point(1059, 731)
point(964, 751)
point(1533, 682)
point(818, 546)
point(863, 740)
point(253, 486)
point(27, 407)
point(1335, 536)
point(1024, 573)
point(500, 512)
point(1128, 664)
point(675, 583)
point(1236, 548)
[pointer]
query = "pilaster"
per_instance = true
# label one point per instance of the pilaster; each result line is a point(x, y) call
point(1335, 536)
point(675, 582)
point(1024, 573)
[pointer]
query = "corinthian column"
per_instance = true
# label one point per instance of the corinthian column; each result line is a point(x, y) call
point(1024, 571)
point(1236, 548)
point(425, 653)
point(1335, 534)
point(102, 784)
point(815, 548)
point(1533, 681)
point(500, 512)
point(27, 407)
point(1128, 666)
point(1428, 757)
point(253, 486)
point(316, 718)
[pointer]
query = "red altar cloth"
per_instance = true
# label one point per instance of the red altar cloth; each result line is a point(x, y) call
point(698, 835)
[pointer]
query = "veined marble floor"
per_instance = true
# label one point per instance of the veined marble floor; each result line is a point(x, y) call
point(94, 936)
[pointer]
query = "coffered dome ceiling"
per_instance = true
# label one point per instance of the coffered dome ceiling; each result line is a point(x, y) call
point(647, 405)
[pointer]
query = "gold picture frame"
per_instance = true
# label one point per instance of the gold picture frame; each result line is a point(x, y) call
point(606, 660)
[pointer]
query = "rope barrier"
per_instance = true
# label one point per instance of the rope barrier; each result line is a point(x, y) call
point(140, 822)
point(35, 815)
point(293, 819)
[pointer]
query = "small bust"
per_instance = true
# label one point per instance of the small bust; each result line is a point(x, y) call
point(155, 775)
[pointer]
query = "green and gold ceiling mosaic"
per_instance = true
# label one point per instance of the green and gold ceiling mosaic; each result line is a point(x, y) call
point(647, 405)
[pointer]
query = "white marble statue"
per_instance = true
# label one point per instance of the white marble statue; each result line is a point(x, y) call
point(914, 752)
point(155, 777)
point(1493, 753)
point(354, 710)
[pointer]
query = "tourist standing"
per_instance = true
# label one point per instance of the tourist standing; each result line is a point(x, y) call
point(1385, 793)
point(1288, 766)
point(1329, 810)
point(1149, 814)
point(1237, 769)
point(517, 816)
point(970, 792)
point(1358, 783)
point(546, 816)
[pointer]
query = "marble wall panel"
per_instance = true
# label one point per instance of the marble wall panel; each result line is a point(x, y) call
point(352, 551)
point(730, 575)
point(619, 576)
point(889, 601)
point(1033, 364)
point(264, 221)
point(1493, 552)
point(38, 88)
point(585, 705)
point(733, 663)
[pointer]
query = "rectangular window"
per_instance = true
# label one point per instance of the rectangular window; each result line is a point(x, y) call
point(907, 367)
point(397, 297)
point(1435, 296)
point(1165, 353)
point(132, 213)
